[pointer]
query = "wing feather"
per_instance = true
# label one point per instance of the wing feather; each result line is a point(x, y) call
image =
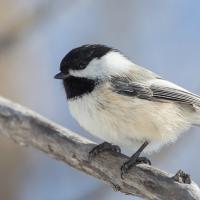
point(154, 91)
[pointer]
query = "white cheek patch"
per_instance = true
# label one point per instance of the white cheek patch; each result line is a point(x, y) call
point(93, 70)
point(110, 64)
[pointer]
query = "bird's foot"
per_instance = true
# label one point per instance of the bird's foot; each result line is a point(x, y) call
point(182, 177)
point(105, 146)
point(133, 161)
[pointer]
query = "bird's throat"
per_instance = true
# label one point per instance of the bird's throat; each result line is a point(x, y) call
point(76, 87)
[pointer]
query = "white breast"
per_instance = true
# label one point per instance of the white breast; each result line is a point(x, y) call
point(128, 121)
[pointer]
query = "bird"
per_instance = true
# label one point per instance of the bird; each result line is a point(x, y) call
point(124, 104)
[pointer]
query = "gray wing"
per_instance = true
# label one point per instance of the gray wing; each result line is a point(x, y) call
point(153, 92)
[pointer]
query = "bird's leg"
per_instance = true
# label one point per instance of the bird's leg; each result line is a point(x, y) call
point(105, 146)
point(134, 160)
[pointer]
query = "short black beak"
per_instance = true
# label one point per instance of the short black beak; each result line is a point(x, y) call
point(61, 76)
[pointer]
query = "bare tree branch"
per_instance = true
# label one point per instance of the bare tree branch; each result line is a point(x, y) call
point(28, 128)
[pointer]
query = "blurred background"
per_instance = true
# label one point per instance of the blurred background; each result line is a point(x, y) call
point(35, 35)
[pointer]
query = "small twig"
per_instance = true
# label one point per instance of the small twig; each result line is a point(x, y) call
point(28, 128)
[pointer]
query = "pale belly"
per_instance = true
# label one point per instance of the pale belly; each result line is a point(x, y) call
point(129, 123)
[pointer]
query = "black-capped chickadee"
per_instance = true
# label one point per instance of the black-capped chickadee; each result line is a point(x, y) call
point(123, 103)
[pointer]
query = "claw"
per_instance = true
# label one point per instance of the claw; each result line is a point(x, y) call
point(182, 177)
point(116, 187)
point(124, 169)
point(116, 148)
point(131, 163)
point(143, 160)
point(102, 148)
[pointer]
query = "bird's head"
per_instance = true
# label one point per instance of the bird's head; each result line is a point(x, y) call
point(83, 67)
point(92, 62)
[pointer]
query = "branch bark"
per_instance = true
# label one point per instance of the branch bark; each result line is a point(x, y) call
point(28, 128)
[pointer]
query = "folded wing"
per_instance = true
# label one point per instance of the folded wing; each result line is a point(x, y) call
point(157, 90)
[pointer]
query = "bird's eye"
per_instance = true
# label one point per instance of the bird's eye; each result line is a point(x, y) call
point(82, 65)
